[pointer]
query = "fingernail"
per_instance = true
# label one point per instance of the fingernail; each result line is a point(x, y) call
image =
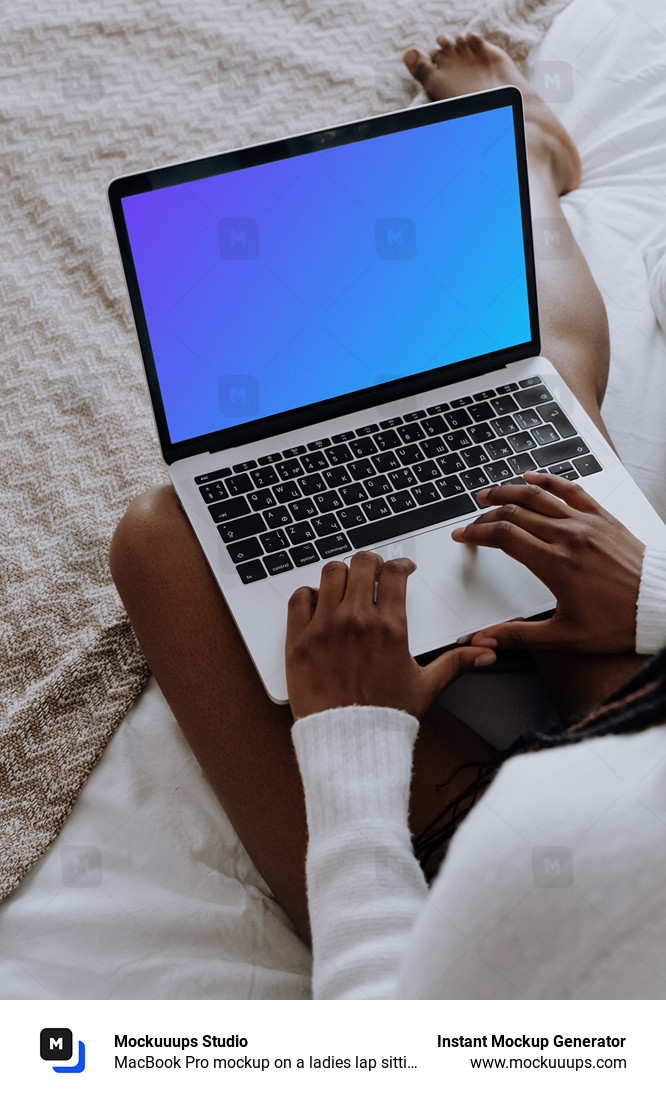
point(484, 659)
point(489, 643)
point(482, 493)
point(410, 57)
point(458, 531)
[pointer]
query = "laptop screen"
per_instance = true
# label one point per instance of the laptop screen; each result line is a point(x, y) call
point(299, 280)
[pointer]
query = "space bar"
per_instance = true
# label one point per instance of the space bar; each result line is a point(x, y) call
point(385, 529)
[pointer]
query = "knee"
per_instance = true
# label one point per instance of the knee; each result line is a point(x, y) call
point(146, 529)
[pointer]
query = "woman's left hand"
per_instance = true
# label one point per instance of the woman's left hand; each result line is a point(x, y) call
point(347, 642)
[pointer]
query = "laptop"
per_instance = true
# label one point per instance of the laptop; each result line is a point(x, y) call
point(341, 340)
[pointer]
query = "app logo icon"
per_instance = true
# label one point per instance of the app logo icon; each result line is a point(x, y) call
point(56, 1045)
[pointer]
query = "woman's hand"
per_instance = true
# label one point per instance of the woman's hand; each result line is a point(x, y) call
point(587, 558)
point(347, 642)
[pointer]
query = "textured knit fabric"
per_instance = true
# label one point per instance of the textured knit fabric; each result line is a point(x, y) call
point(651, 611)
point(551, 888)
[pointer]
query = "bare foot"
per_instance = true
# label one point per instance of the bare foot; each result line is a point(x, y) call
point(470, 64)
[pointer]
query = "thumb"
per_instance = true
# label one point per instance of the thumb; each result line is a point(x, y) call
point(449, 666)
point(518, 634)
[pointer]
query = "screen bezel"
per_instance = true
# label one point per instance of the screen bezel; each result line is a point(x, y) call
point(252, 156)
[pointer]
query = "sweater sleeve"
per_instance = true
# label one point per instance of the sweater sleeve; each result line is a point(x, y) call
point(365, 888)
point(651, 608)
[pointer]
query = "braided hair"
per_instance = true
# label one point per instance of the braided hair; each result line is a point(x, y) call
point(636, 706)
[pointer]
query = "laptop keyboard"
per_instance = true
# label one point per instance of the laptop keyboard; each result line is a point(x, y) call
point(382, 481)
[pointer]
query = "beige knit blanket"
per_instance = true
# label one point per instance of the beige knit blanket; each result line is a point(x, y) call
point(89, 91)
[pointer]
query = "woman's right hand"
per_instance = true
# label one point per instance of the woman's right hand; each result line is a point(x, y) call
point(587, 558)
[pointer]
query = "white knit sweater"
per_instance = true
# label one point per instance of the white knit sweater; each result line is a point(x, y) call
point(552, 887)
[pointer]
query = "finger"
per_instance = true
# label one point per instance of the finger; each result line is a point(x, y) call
point(518, 544)
point(392, 588)
point(571, 492)
point(445, 669)
point(546, 528)
point(331, 588)
point(364, 570)
point(534, 497)
point(517, 634)
point(299, 612)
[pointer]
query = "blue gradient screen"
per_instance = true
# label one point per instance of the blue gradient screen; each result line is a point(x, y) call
point(273, 287)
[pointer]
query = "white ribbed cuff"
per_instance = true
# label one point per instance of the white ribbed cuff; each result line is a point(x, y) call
point(651, 607)
point(356, 763)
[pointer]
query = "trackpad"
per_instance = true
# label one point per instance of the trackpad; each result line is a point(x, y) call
point(457, 589)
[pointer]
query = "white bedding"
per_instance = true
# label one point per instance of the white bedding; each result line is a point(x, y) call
point(147, 892)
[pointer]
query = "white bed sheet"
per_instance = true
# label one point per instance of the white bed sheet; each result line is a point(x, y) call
point(147, 892)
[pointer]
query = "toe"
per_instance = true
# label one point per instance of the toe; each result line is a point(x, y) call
point(445, 44)
point(475, 42)
point(418, 65)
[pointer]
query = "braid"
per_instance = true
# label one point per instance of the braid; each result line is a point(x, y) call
point(636, 706)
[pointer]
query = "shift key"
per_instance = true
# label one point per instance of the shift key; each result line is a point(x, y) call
point(558, 452)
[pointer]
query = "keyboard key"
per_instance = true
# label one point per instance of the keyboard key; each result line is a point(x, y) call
point(508, 388)
point(554, 415)
point(485, 395)
point(410, 433)
point(229, 509)
point(262, 478)
point(409, 455)
point(245, 551)
point(441, 408)
point(458, 419)
point(319, 444)
point(435, 425)
point(304, 555)
point(480, 433)
point(535, 396)
point(334, 545)
point(402, 479)
point(240, 528)
point(368, 429)
point(336, 455)
point(506, 425)
point(450, 464)
point(273, 541)
point(527, 383)
point(251, 571)
point(401, 502)
point(474, 456)
point(314, 483)
point(302, 509)
point(545, 434)
point(361, 469)
point(293, 452)
point(498, 448)
point(411, 416)
point(377, 486)
point(457, 440)
point(260, 500)
point(351, 517)
point(354, 493)
point(338, 475)
point(214, 491)
point(203, 479)
point(388, 439)
point(342, 437)
point(327, 502)
point(267, 460)
point(377, 509)
point(239, 484)
point(520, 463)
point(313, 462)
point(426, 471)
point(401, 523)
point(571, 475)
point(558, 452)
point(277, 517)
point(522, 441)
point(560, 468)
point(450, 486)
point(391, 422)
point(299, 532)
point(503, 405)
point(289, 469)
point(325, 525)
point(587, 465)
point(241, 467)
point(426, 494)
point(433, 448)
point(286, 492)
point(474, 479)
point(383, 463)
point(527, 419)
point(499, 471)
point(278, 563)
point(459, 402)
point(362, 447)
point(482, 412)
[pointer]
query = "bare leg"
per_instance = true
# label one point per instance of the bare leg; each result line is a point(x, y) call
point(574, 326)
point(240, 737)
